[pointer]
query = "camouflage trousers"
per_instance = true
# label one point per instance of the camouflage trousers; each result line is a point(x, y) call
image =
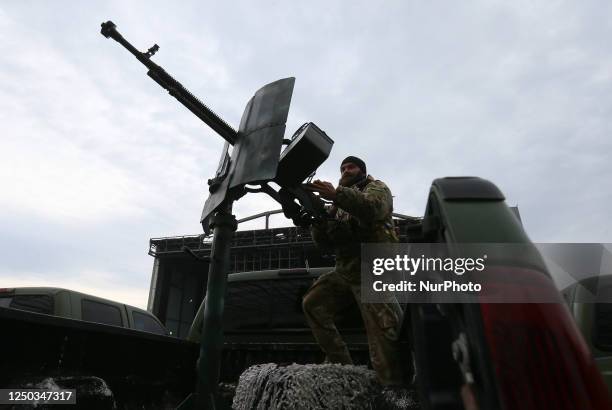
point(331, 293)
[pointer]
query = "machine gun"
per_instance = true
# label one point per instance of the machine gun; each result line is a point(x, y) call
point(255, 162)
point(174, 88)
point(308, 148)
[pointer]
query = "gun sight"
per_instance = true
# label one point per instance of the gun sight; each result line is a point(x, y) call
point(151, 52)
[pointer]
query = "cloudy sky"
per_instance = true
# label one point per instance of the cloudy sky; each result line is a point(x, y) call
point(95, 158)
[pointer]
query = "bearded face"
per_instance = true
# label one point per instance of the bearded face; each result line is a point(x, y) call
point(350, 174)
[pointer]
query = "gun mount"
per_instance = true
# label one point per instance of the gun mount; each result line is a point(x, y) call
point(256, 158)
point(255, 161)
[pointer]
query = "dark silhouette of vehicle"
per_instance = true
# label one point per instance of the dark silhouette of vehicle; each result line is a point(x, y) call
point(80, 306)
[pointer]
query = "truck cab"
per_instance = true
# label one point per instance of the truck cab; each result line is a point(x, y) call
point(80, 306)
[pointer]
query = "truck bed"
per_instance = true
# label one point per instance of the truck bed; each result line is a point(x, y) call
point(135, 365)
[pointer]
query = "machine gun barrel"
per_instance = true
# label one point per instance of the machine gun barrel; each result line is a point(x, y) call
point(173, 87)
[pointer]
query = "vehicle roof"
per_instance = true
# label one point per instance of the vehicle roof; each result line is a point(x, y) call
point(55, 290)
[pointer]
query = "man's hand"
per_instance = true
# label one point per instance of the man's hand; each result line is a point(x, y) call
point(325, 189)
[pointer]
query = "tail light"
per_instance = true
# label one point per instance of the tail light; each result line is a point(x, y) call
point(538, 355)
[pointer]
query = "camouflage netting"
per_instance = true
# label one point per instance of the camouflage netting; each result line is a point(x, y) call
point(324, 386)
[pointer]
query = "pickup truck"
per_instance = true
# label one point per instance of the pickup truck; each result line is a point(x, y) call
point(111, 353)
point(80, 306)
point(484, 355)
point(498, 355)
point(477, 355)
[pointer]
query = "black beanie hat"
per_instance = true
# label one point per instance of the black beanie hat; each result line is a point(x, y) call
point(360, 164)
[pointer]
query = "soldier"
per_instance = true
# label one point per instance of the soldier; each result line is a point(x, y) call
point(361, 213)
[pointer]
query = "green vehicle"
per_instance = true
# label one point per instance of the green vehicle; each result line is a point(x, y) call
point(108, 351)
point(80, 306)
point(498, 355)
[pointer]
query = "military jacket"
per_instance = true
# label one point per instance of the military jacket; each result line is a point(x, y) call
point(361, 214)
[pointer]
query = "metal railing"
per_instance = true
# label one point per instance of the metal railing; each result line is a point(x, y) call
point(259, 240)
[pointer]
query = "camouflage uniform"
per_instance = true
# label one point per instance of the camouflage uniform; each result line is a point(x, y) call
point(363, 215)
